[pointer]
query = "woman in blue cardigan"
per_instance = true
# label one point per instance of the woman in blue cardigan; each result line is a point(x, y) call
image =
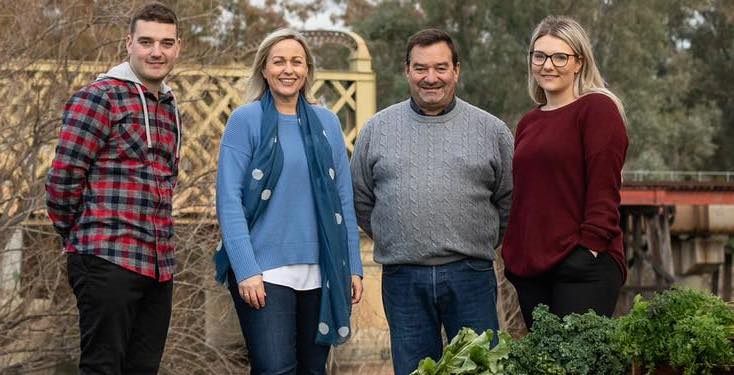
point(290, 253)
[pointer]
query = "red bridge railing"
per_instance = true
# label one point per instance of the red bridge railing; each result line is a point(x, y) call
point(658, 188)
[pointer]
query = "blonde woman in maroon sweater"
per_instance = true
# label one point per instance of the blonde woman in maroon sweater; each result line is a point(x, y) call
point(563, 246)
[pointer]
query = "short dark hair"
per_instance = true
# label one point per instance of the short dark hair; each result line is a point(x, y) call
point(154, 11)
point(428, 37)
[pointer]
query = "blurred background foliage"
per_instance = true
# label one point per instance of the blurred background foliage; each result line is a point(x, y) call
point(669, 60)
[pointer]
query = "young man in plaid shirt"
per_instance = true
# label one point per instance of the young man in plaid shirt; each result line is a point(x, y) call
point(109, 194)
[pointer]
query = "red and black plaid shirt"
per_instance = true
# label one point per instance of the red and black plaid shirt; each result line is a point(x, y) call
point(108, 194)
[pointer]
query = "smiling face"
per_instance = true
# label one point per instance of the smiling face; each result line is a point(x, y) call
point(286, 70)
point(153, 49)
point(557, 82)
point(432, 77)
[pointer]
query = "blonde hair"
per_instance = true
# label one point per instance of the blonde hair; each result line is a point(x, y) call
point(588, 80)
point(256, 84)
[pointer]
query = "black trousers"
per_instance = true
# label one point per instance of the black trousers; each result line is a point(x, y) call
point(579, 283)
point(123, 317)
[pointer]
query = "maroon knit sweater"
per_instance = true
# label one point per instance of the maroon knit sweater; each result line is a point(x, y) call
point(567, 175)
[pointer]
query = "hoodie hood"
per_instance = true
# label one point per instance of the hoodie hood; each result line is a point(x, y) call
point(124, 72)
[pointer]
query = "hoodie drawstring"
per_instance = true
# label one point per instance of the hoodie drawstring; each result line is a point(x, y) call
point(145, 112)
point(147, 120)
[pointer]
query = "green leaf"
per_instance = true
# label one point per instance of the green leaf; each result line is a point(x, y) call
point(427, 366)
point(470, 354)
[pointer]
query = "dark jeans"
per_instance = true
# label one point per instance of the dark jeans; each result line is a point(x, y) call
point(579, 283)
point(123, 317)
point(419, 300)
point(280, 336)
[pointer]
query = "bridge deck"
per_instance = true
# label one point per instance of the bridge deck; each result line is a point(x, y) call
point(657, 193)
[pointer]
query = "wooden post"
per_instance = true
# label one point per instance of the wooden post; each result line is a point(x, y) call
point(658, 241)
point(726, 290)
point(637, 242)
point(366, 87)
point(11, 260)
point(666, 252)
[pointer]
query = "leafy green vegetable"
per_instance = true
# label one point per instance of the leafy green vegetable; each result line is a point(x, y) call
point(469, 354)
point(577, 344)
point(683, 327)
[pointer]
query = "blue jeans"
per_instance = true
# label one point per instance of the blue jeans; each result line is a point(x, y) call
point(419, 300)
point(280, 336)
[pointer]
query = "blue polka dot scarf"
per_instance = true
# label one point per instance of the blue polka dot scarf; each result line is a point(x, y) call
point(263, 173)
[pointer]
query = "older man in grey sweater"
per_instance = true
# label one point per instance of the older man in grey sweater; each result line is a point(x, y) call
point(433, 184)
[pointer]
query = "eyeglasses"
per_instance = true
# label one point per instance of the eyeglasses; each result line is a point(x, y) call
point(559, 60)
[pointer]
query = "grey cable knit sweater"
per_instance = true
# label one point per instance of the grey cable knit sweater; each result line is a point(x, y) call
point(431, 190)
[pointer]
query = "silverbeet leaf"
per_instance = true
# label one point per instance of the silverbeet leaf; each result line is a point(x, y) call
point(469, 354)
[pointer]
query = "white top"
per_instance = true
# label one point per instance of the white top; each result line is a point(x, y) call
point(295, 276)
